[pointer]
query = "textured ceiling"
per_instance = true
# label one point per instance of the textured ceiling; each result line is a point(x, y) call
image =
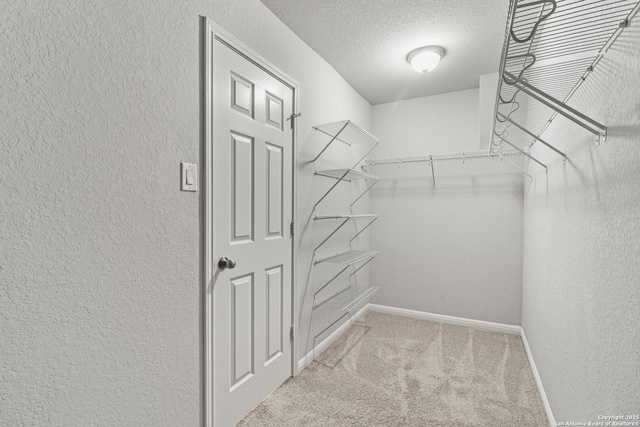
point(367, 41)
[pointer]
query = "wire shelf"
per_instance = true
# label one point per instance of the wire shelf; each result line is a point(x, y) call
point(347, 216)
point(458, 156)
point(462, 155)
point(550, 48)
point(348, 258)
point(345, 174)
point(347, 132)
point(341, 291)
point(346, 299)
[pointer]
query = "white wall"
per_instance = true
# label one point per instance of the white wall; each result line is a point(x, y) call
point(582, 245)
point(456, 248)
point(488, 89)
point(433, 124)
point(99, 250)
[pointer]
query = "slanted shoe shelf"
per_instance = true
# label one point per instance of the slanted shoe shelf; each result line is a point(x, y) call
point(346, 174)
point(345, 297)
point(349, 258)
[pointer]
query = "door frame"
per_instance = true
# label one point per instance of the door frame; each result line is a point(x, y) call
point(209, 33)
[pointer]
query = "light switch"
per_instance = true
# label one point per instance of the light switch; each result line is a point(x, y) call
point(188, 174)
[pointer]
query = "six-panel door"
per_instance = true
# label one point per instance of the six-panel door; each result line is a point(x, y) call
point(252, 197)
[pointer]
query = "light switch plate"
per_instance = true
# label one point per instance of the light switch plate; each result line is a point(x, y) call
point(188, 177)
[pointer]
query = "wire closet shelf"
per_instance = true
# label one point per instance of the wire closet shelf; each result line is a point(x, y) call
point(430, 159)
point(337, 293)
point(550, 48)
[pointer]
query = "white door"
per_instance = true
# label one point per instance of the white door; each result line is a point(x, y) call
point(252, 162)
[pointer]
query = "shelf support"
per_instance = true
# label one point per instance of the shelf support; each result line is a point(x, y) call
point(330, 189)
point(330, 142)
point(364, 228)
point(560, 107)
point(433, 174)
point(332, 233)
point(359, 268)
point(363, 193)
point(523, 152)
point(318, 304)
point(534, 136)
point(514, 165)
point(330, 280)
point(366, 154)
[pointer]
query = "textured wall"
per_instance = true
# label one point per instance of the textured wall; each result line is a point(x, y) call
point(581, 294)
point(453, 249)
point(99, 250)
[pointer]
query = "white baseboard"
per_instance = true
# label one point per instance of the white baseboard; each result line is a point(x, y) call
point(318, 349)
point(477, 324)
point(536, 377)
point(452, 320)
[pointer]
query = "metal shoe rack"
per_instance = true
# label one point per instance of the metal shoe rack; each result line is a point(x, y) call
point(550, 48)
point(336, 292)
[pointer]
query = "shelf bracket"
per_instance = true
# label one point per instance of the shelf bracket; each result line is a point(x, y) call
point(330, 280)
point(363, 193)
point(534, 136)
point(363, 228)
point(514, 165)
point(523, 152)
point(330, 189)
point(433, 174)
point(560, 107)
point(335, 294)
point(330, 142)
point(360, 267)
point(332, 233)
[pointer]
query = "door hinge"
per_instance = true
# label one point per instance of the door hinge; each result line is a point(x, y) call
point(292, 332)
point(292, 228)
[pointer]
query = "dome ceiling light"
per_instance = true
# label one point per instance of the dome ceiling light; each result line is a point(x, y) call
point(425, 59)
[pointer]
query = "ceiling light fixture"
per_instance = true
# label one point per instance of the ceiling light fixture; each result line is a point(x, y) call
point(425, 59)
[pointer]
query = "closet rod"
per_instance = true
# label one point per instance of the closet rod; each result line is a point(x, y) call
point(439, 157)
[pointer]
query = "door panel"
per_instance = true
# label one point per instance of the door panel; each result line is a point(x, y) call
point(241, 332)
point(241, 188)
point(251, 181)
point(241, 95)
point(274, 111)
point(274, 179)
point(275, 314)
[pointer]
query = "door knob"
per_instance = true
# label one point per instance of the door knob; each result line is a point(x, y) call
point(224, 263)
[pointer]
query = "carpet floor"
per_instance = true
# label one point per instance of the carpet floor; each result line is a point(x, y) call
point(397, 371)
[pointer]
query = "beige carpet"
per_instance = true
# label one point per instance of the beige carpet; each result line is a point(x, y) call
point(397, 371)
